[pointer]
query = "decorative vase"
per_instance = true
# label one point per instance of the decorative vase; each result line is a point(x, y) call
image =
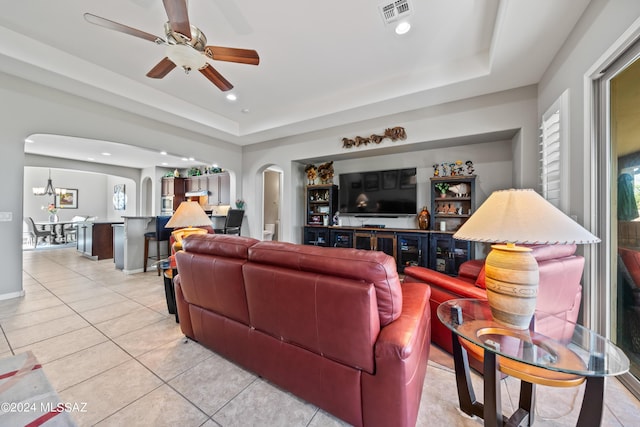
point(53, 217)
point(511, 277)
point(423, 219)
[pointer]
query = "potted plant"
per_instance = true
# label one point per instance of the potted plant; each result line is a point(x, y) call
point(442, 187)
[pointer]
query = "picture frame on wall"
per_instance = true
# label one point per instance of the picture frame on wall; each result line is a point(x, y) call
point(66, 198)
point(119, 197)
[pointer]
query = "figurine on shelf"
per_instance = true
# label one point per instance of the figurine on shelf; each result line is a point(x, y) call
point(460, 190)
point(424, 218)
point(470, 168)
point(459, 168)
point(312, 173)
point(451, 209)
point(445, 169)
point(442, 208)
point(436, 170)
point(325, 172)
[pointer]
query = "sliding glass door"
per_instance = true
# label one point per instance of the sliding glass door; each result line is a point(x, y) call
point(618, 152)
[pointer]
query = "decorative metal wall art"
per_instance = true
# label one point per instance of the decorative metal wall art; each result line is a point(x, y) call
point(393, 134)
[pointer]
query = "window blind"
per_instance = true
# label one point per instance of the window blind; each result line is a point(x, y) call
point(550, 157)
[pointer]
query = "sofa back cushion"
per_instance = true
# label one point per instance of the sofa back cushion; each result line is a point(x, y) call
point(211, 276)
point(366, 267)
point(332, 316)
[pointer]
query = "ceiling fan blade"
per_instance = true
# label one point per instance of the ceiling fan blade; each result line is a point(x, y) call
point(161, 69)
point(178, 16)
point(231, 54)
point(106, 23)
point(216, 78)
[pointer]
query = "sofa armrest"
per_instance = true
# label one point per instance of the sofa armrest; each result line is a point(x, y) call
point(392, 395)
point(401, 337)
point(454, 285)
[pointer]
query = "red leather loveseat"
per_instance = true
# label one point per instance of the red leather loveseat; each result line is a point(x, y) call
point(559, 292)
point(334, 326)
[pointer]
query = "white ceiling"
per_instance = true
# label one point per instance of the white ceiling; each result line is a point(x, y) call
point(322, 63)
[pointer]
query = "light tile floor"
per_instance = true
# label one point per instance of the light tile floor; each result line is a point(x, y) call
point(106, 339)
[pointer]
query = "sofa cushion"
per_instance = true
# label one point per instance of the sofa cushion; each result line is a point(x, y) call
point(211, 274)
point(373, 267)
point(328, 315)
point(547, 252)
point(219, 244)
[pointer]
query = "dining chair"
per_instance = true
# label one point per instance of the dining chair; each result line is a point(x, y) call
point(35, 232)
point(161, 234)
point(233, 222)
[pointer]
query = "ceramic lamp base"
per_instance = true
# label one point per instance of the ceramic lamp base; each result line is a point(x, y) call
point(512, 285)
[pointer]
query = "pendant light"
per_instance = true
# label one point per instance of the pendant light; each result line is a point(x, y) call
point(49, 190)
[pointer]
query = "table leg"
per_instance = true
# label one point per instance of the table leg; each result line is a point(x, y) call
point(466, 396)
point(591, 411)
point(492, 394)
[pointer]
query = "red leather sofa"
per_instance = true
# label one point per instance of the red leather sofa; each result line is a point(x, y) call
point(559, 292)
point(334, 326)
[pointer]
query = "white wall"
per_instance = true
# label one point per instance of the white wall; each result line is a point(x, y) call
point(603, 25)
point(95, 192)
point(492, 162)
point(29, 108)
point(447, 129)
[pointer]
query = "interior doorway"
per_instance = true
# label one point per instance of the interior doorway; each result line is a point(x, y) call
point(272, 200)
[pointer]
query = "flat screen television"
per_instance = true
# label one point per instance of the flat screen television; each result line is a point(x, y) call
point(388, 192)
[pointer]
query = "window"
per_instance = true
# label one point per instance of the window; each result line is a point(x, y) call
point(553, 161)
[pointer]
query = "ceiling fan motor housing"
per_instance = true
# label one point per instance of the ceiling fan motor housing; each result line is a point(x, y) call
point(198, 40)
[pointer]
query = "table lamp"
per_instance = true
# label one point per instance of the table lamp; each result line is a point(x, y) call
point(186, 218)
point(516, 216)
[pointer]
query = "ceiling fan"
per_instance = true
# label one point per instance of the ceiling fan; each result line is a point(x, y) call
point(186, 45)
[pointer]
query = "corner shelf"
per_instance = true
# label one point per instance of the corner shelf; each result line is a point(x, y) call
point(447, 253)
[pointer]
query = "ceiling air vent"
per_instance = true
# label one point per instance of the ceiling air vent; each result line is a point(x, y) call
point(395, 10)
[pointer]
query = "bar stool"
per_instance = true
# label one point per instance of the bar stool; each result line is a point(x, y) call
point(161, 234)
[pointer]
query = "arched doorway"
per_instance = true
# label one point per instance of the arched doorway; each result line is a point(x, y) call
point(271, 202)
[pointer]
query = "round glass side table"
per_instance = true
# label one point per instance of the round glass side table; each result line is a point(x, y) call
point(552, 352)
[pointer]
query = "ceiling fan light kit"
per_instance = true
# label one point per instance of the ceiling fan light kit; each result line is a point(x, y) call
point(185, 56)
point(186, 45)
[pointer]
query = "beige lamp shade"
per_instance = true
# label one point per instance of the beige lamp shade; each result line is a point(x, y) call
point(189, 214)
point(522, 216)
point(511, 272)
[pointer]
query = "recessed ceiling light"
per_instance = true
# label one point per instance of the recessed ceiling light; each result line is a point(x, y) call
point(191, 159)
point(29, 140)
point(90, 158)
point(184, 159)
point(106, 154)
point(164, 153)
point(231, 97)
point(245, 110)
point(403, 27)
point(164, 163)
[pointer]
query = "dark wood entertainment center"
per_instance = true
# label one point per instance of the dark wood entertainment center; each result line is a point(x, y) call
point(435, 248)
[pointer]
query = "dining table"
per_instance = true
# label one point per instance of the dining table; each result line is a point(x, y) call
point(56, 228)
